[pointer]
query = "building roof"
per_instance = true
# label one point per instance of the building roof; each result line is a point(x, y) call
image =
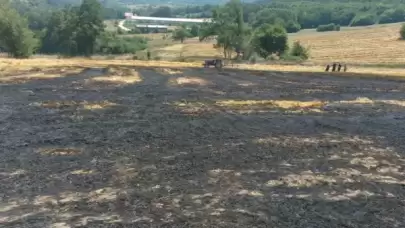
point(195, 20)
point(152, 26)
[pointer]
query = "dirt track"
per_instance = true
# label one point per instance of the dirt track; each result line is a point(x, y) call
point(194, 148)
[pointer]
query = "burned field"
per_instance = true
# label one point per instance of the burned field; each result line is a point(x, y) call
point(162, 147)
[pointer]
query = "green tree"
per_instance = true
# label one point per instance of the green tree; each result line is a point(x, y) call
point(270, 39)
point(285, 17)
point(74, 30)
point(90, 26)
point(194, 31)
point(180, 34)
point(15, 36)
point(61, 32)
point(228, 25)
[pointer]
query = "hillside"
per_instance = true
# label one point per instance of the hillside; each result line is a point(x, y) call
point(368, 45)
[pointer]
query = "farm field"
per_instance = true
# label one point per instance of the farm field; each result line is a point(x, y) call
point(97, 143)
point(373, 45)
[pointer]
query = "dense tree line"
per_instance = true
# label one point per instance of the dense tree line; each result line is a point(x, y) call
point(295, 15)
point(68, 31)
point(38, 12)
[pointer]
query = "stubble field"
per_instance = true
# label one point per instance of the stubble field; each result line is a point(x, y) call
point(88, 143)
point(375, 45)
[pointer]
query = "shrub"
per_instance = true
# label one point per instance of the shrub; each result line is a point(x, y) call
point(109, 43)
point(328, 27)
point(299, 51)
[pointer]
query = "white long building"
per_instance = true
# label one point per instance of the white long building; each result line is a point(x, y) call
point(131, 16)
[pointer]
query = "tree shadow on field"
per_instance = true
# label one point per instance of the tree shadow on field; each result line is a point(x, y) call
point(166, 147)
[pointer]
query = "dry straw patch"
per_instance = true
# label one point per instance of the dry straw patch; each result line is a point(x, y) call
point(118, 79)
point(11, 65)
point(376, 105)
point(168, 71)
point(117, 75)
point(291, 106)
point(59, 151)
point(68, 104)
point(278, 103)
point(44, 64)
point(22, 73)
point(189, 81)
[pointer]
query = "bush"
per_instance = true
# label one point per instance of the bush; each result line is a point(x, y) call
point(300, 51)
point(328, 27)
point(110, 43)
point(402, 32)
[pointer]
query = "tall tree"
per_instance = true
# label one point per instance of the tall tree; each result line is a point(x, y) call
point(180, 34)
point(228, 26)
point(270, 39)
point(15, 36)
point(61, 32)
point(194, 30)
point(90, 26)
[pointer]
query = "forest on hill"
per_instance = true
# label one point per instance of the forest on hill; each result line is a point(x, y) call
point(292, 14)
point(296, 15)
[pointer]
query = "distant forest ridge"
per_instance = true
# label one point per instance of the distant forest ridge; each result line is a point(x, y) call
point(294, 15)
